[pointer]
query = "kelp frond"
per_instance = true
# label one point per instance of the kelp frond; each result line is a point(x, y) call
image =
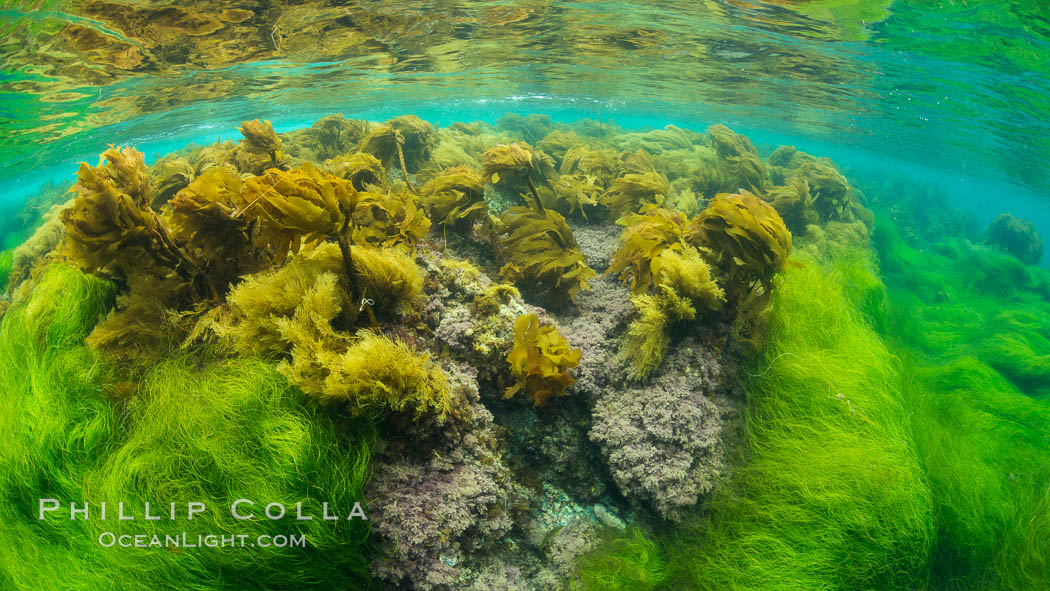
point(540, 248)
point(540, 360)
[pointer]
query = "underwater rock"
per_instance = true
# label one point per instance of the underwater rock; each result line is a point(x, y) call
point(550, 445)
point(470, 313)
point(565, 545)
point(597, 242)
point(1018, 237)
point(664, 441)
point(598, 320)
point(444, 519)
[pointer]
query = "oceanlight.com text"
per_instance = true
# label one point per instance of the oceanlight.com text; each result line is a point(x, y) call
point(186, 540)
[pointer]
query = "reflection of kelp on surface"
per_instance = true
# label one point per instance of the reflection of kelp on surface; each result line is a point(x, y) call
point(106, 62)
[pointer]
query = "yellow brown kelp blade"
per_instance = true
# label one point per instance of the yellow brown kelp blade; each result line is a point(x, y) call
point(748, 239)
point(540, 360)
point(540, 248)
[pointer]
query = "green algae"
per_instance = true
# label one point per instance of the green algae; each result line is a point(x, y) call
point(6, 260)
point(209, 433)
point(973, 326)
point(830, 493)
point(940, 377)
point(627, 560)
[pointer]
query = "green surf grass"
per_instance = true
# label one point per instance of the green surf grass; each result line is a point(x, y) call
point(212, 434)
point(6, 260)
point(627, 560)
point(897, 437)
point(974, 326)
point(831, 494)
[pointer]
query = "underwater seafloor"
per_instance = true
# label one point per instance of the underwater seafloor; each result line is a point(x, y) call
point(543, 356)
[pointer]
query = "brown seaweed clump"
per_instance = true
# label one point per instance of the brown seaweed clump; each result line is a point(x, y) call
point(646, 235)
point(794, 204)
point(684, 289)
point(539, 248)
point(406, 140)
point(748, 239)
point(389, 219)
point(329, 137)
point(455, 198)
point(206, 220)
point(260, 149)
point(170, 175)
point(360, 168)
point(299, 206)
point(298, 312)
point(513, 166)
point(631, 191)
point(540, 360)
point(111, 229)
point(742, 168)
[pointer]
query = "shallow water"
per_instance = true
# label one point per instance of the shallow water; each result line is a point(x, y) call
point(639, 353)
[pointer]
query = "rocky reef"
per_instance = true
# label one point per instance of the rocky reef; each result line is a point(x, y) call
point(542, 325)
